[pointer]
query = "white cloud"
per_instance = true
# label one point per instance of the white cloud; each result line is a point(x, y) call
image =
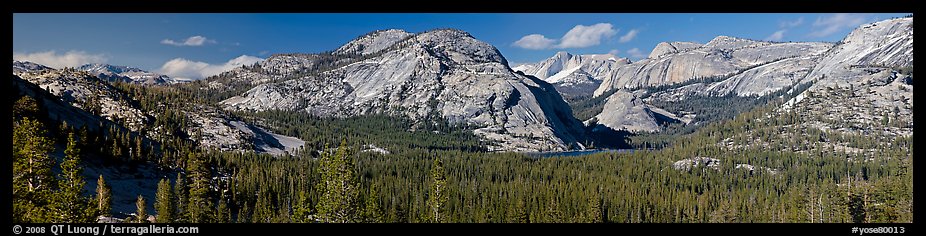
point(186, 69)
point(825, 26)
point(777, 36)
point(534, 41)
point(580, 36)
point(69, 59)
point(635, 53)
point(586, 36)
point(791, 24)
point(191, 41)
point(614, 52)
point(629, 36)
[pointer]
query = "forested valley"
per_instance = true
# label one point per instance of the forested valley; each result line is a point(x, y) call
point(437, 173)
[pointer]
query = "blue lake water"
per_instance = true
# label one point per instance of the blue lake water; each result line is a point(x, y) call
point(578, 153)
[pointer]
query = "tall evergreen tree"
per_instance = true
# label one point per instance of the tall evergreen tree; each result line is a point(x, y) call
point(200, 207)
point(338, 202)
point(372, 213)
point(32, 176)
point(164, 202)
point(181, 199)
point(301, 211)
point(141, 212)
point(103, 200)
point(70, 205)
point(437, 197)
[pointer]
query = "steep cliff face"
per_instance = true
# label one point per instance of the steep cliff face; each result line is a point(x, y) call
point(861, 86)
point(437, 74)
point(722, 56)
point(747, 68)
point(574, 75)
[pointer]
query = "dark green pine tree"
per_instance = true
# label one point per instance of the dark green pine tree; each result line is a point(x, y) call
point(338, 202)
point(222, 213)
point(141, 212)
point(243, 214)
point(301, 211)
point(181, 199)
point(103, 200)
point(32, 176)
point(594, 208)
point(372, 213)
point(437, 197)
point(164, 202)
point(70, 206)
point(200, 207)
point(521, 214)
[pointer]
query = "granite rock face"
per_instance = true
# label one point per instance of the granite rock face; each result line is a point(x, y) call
point(574, 75)
point(126, 74)
point(441, 73)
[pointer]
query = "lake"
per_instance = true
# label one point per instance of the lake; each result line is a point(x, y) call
point(575, 153)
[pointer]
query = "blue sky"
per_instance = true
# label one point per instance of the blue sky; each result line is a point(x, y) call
point(196, 45)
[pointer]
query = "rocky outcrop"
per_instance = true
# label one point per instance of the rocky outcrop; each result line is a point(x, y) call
point(125, 74)
point(574, 75)
point(724, 66)
point(25, 66)
point(626, 111)
point(722, 56)
point(859, 86)
point(666, 48)
point(82, 99)
point(444, 74)
point(84, 91)
point(373, 42)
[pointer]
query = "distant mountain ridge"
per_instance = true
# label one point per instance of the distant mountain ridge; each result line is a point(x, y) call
point(126, 74)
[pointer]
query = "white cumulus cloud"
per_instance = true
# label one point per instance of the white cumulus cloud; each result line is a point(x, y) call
point(186, 69)
point(635, 53)
point(586, 36)
point(580, 36)
point(191, 41)
point(825, 26)
point(52, 59)
point(614, 52)
point(629, 36)
point(777, 36)
point(791, 24)
point(534, 41)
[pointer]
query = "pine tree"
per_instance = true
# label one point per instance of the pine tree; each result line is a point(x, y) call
point(181, 199)
point(70, 205)
point(243, 214)
point(32, 176)
point(437, 199)
point(164, 202)
point(372, 213)
point(32, 165)
point(141, 213)
point(338, 202)
point(594, 208)
point(301, 211)
point(200, 207)
point(103, 198)
point(223, 214)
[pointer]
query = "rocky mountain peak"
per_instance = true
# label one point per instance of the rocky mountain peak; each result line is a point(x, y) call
point(724, 42)
point(124, 74)
point(373, 42)
point(459, 47)
point(665, 48)
point(24, 66)
point(444, 73)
